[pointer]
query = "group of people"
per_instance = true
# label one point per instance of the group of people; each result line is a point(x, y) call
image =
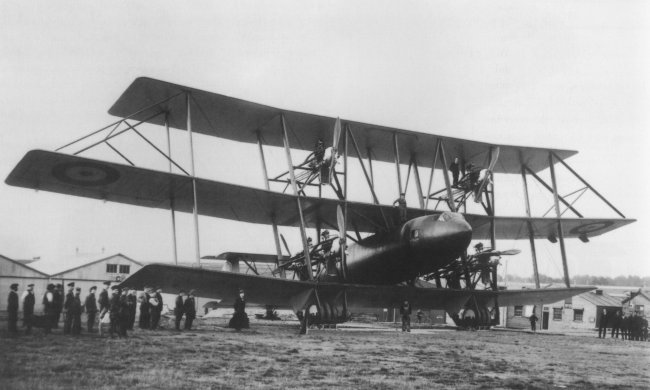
point(116, 309)
point(631, 326)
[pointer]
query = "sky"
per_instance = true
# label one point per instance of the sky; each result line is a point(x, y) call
point(558, 74)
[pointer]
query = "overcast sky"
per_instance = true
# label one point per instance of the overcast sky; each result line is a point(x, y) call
point(561, 74)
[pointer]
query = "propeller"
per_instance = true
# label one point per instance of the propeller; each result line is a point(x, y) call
point(285, 245)
point(335, 145)
point(488, 174)
point(340, 219)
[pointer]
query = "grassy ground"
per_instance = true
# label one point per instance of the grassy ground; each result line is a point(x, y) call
point(273, 356)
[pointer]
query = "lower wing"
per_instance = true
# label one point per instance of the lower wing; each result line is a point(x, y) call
point(297, 295)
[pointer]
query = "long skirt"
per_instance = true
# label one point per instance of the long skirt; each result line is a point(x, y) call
point(239, 321)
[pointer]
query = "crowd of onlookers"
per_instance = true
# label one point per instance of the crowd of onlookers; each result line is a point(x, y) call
point(113, 311)
point(632, 326)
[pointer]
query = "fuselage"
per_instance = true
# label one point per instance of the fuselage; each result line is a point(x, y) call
point(417, 247)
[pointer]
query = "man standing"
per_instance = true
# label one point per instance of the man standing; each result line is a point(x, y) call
point(90, 305)
point(114, 311)
point(156, 310)
point(455, 170)
point(69, 300)
point(125, 313)
point(179, 309)
point(616, 324)
point(49, 307)
point(12, 309)
point(144, 310)
point(405, 311)
point(58, 304)
point(190, 310)
point(602, 325)
point(533, 322)
point(104, 302)
point(132, 301)
point(28, 308)
point(74, 312)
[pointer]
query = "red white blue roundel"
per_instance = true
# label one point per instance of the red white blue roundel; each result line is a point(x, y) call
point(85, 174)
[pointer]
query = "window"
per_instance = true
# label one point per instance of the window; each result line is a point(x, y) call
point(557, 314)
point(111, 268)
point(638, 309)
point(577, 314)
point(519, 311)
point(125, 269)
point(415, 234)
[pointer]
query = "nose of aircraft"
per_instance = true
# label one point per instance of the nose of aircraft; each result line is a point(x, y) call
point(437, 240)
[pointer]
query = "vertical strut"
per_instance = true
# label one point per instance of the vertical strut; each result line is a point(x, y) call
point(303, 232)
point(433, 167)
point(171, 199)
point(345, 212)
point(418, 183)
point(445, 174)
point(276, 236)
point(529, 224)
point(399, 173)
point(194, 206)
point(560, 232)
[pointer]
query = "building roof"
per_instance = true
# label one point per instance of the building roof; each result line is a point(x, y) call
point(634, 295)
point(21, 264)
point(603, 299)
point(57, 267)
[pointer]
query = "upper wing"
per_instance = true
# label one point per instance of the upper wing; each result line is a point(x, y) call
point(255, 257)
point(296, 294)
point(240, 120)
point(73, 175)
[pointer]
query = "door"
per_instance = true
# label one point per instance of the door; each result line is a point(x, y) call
point(545, 320)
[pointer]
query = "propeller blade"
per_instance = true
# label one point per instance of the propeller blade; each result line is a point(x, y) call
point(509, 252)
point(337, 135)
point(488, 174)
point(285, 245)
point(341, 221)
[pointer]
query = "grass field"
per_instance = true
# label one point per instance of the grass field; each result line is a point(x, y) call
point(272, 355)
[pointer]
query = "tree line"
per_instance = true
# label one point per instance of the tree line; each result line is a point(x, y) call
point(621, 280)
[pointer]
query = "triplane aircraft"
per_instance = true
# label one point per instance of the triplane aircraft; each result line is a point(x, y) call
point(383, 254)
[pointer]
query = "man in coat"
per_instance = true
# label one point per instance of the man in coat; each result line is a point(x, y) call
point(49, 307)
point(58, 304)
point(602, 325)
point(74, 312)
point(67, 318)
point(114, 311)
point(156, 310)
point(125, 313)
point(132, 301)
point(189, 307)
point(90, 305)
point(12, 309)
point(179, 310)
point(28, 308)
point(405, 312)
point(144, 320)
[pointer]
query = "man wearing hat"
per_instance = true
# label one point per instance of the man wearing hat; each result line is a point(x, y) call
point(74, 312)
point(190, 310)
point(90, 305)
point(28, 308)
point(132, 301)
point(12, 309)
point(179, 309)
point(114, 311)
point(67, 317)
point(144, 309)
point(49, 308)
point(58, 304)
point(157, 309)
point(104, 301)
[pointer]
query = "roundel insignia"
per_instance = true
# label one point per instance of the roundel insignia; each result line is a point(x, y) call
point(87, 174)
point(591, 227)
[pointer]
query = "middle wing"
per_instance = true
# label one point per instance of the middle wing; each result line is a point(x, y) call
point(284, 293)
point(74, 175)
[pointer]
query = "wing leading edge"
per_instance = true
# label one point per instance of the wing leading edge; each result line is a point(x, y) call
point(79, 176)
point(240, 120)
point(294, 294)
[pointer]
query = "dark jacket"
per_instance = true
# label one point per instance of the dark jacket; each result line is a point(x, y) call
point(125, 308)
point(12, 304)
point(69, 298)
point(114, 306)
point(405, 310)
point(90, 304)
point(57, 301)
point(28, 304)
point(240, 305)
point(178, 308)
point(189, 308)
point(160, 302)
point(104, 301)
point(75, 305)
